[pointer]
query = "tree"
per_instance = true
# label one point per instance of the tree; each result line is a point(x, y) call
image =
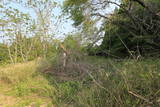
point(44, 25)
point(26, 37)
point(132, 29)
point(3, 53)
point(15, 28)
point(139, 36)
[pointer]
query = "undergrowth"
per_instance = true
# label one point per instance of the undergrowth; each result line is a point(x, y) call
point(127, 83)
point(106, 83)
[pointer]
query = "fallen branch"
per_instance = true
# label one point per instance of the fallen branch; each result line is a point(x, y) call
point(140, 97)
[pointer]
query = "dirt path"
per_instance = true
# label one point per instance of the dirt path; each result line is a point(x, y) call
point(7, 101)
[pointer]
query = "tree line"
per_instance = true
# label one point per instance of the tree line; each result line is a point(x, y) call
point(130, 30)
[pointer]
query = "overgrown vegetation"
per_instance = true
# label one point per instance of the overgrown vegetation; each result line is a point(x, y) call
point(107, 82)
point(132, 29)
point(126, 83)
point(110, 60)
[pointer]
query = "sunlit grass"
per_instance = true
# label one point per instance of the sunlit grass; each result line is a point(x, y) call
point(24, 85)
point(124, 83)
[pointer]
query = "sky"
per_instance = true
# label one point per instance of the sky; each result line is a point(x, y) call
point(63, 28)
point(60, 30)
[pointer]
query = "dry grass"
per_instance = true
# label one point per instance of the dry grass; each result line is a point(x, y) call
point(22, 85)
point(114, 84)
point(119, 84)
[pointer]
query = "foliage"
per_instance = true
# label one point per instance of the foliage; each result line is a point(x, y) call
point(110, 83)
point(107, 83)
point(3, 53)
point(76, 10)
point(131, 30)
point(25, 37)
point(124, 38)
point(62, 74)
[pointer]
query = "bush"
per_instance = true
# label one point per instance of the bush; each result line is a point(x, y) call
point(131, 84)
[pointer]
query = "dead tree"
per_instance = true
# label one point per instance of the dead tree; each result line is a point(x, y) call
point(65, 54)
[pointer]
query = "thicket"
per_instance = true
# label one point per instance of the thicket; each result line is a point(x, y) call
point(98, 82)
point(131, 30)
point(136, 33)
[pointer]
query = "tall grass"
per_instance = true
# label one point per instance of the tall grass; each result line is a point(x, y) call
point(105, 83)
point(127, 83)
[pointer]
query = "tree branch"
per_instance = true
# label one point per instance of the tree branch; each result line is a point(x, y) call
point(146, 7)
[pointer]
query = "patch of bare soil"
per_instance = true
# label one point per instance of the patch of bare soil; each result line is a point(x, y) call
point(7, 101)
point(33, 105)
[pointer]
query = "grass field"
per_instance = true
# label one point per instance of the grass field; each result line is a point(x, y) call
point(119, 84)
point(22, 86)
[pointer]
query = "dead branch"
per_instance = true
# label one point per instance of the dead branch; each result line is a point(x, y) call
point(140, 97)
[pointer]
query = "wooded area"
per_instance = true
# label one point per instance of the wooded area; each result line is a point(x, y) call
point(110, 59)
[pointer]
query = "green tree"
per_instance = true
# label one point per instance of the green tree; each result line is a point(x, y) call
point(27, 38)
point(131, 30)
point(4, 57)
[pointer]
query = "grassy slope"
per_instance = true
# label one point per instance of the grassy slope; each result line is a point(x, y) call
point(22, 86)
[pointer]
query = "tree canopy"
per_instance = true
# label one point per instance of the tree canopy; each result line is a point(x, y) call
point(132, 29)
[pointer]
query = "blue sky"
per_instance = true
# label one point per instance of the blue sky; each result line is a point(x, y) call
point(64, 27)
